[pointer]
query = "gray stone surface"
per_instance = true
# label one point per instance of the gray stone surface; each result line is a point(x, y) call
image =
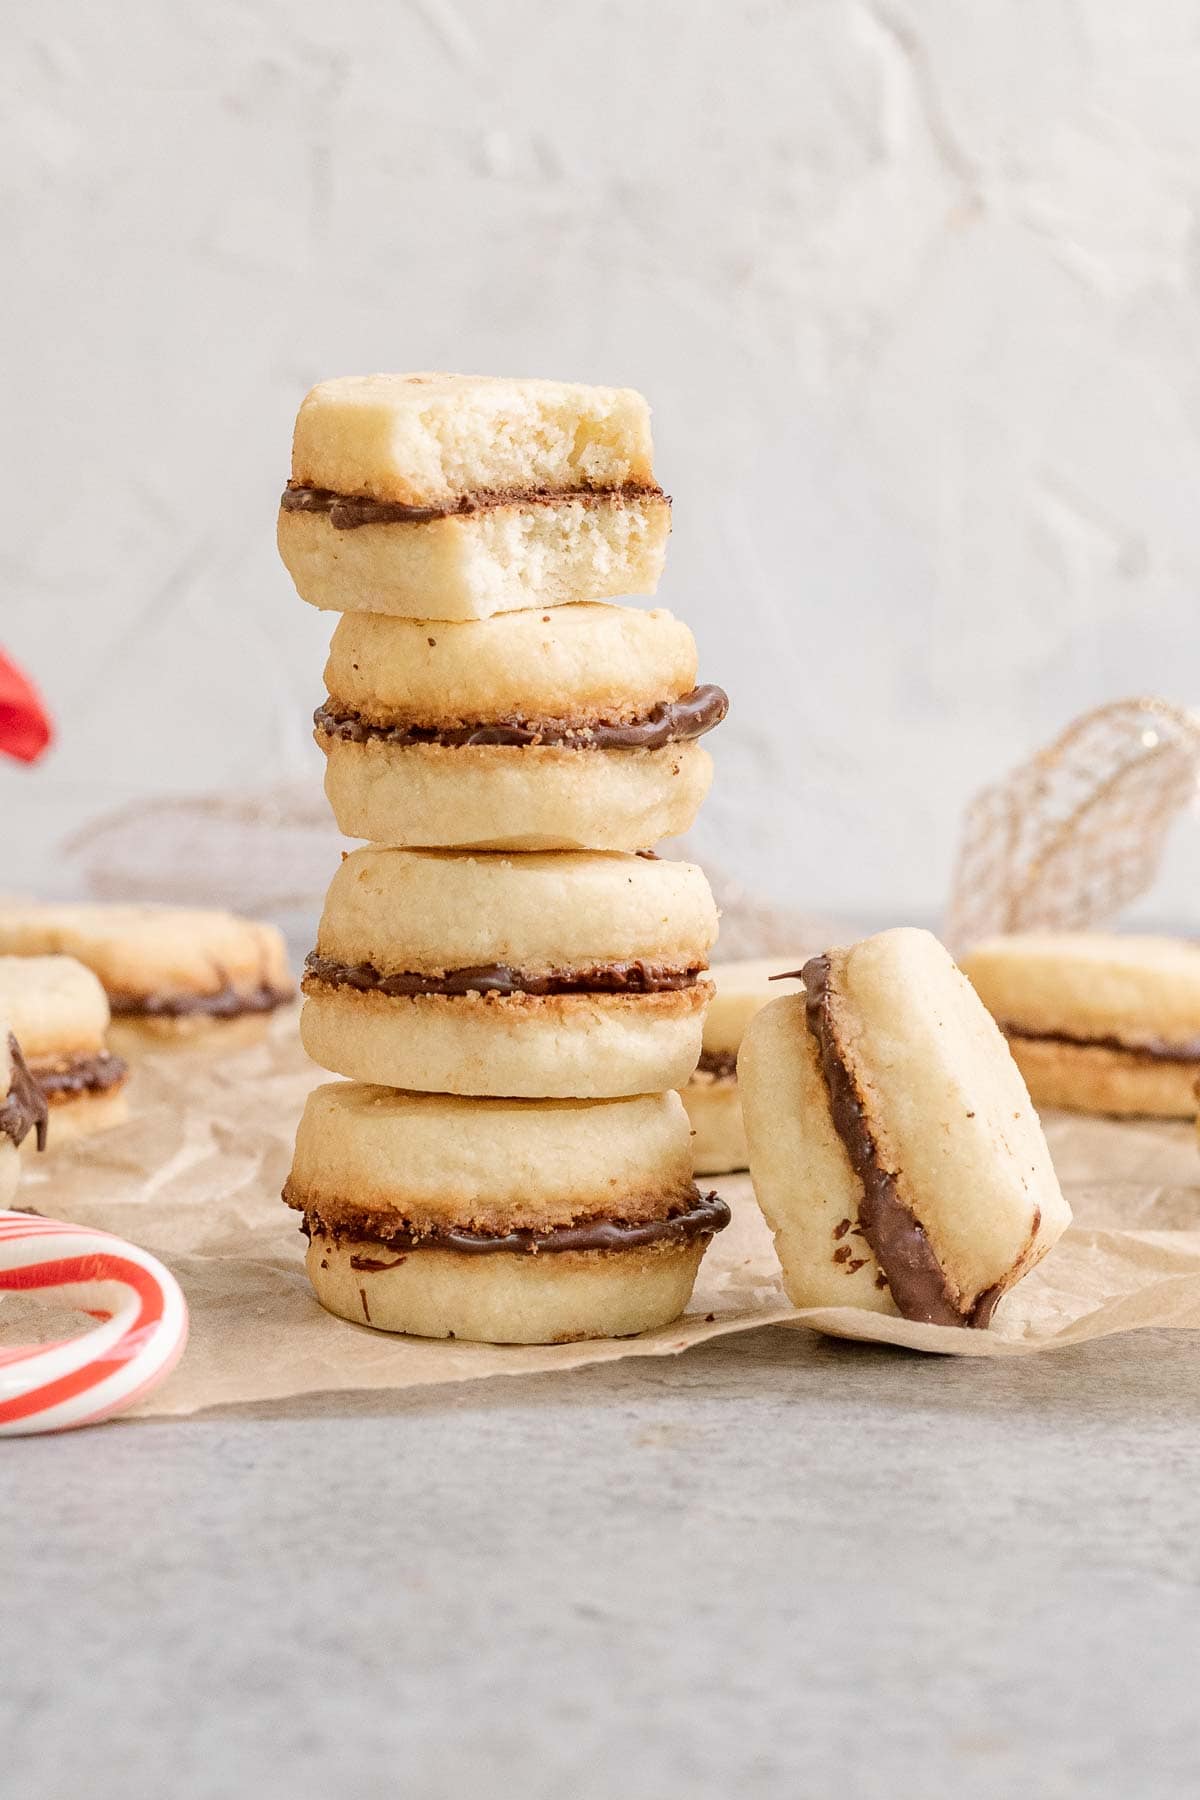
point(775, 1566)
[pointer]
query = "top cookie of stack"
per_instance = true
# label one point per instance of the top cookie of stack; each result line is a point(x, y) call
point(460, 496)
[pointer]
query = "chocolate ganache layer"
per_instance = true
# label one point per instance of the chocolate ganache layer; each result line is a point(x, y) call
point(720, 1064)
point(225, 1003)
point(704, 1215)
point(346, 512)
point(1148, 1050)
point(81, 1075)
point(24, 1107)
point(896, 1237)
point(498, 978)
point(670, 722)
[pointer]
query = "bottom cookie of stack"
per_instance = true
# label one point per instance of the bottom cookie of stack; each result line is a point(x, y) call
point(500, 1221)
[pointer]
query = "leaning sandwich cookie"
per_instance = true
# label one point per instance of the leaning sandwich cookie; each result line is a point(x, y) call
point(435, 496)
point(59, 1014)
point(1097, 1023)
point(542, 976)
point(576, 728)
point(740, 989)
point(893, 1146)
point(173, 976)
point(502, 1221)
point(22, 1112)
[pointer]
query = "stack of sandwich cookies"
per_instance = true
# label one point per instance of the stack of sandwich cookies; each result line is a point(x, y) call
point(506, 1221)
point(510, 981)
point(893, 1146)
point(173, 976)
point(578, 975)
point(22, 1112)
point(1097, 1023)
point(458, 496)
point(571, 729)
point(59, 1014)
point(740, 989)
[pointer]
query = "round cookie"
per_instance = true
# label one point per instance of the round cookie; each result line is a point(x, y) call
point(1097, 1022)
point(570, 729)
point(22, 1112)
point(713, 1103)
point(59, 1013)
point(893, 1146)
point(503, 1221)
point(456, 496)
point(173, 975)
point(540, 976)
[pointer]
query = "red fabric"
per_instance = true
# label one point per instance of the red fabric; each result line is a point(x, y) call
point(25, 728)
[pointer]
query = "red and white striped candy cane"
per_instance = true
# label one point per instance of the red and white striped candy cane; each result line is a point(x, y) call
point(141, 1330)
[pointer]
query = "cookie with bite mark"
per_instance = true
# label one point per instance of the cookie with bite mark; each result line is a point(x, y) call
point(541, 976)
point(461, 496)
point(59, 1013)
point(501, 1221)
point(572, 729)
point(893, 1146)
point(173, 976)
point(1096, 1022)
point(740, 989)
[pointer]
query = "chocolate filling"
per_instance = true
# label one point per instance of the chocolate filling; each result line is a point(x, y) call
point(1151, 1050)
point(80, 1075)
point(24, 1108)
point(670, 722)
point(705, 1215)
point(498, 978)
point(721, 1064)
point(348, 511)
point(896, 1237)
point(226, 1003)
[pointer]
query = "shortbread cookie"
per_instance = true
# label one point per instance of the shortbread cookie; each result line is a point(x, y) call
point(563, 730)
point(506, 1221)
point(1097, 1023)
point(460, 496)
point(893, 1145)
point(740, 989)
point(574, 975)
point(172, 976)
point(59, 1013)
point(22, 1112)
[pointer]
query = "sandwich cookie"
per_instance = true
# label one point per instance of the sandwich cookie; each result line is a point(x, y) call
point(172, 976)
point(893, 1146)
point(740, 989)
point(564, 976)
point(460, 496)
point(575, 729)
point(22, 1111)
point(503, 1221)
point(59, 1013)
point(1097, 1023)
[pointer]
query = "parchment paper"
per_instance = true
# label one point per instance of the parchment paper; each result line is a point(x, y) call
point(195, 1177)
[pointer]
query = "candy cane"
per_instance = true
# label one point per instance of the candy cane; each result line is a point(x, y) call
point(141, 1330)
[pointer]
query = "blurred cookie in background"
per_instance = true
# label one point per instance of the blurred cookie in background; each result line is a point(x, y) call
point(174, 977)
point(58, 1012)
point(711, 1096)
point(1097, 1023)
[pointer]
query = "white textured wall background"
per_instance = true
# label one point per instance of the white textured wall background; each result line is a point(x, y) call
point(913, 287)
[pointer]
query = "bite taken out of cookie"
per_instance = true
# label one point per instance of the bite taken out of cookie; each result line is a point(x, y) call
point(435, 496)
